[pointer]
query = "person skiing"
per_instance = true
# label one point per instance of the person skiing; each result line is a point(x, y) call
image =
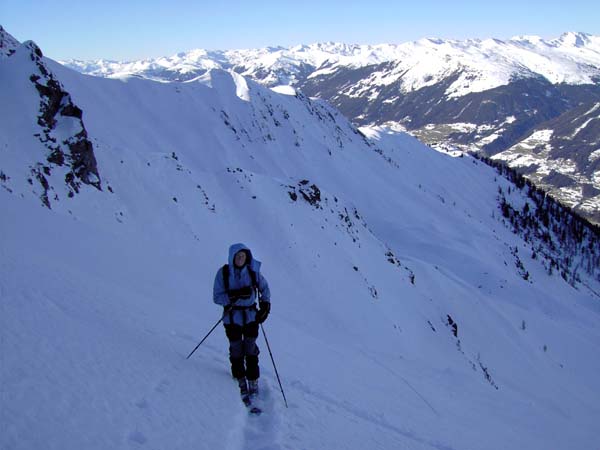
point(238, 285)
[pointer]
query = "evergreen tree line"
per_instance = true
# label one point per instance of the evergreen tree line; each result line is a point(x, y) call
point(567, 242)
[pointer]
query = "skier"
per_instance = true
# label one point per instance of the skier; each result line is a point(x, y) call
point(237, 287)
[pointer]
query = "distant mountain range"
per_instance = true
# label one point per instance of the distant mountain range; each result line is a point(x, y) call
point(531, 102)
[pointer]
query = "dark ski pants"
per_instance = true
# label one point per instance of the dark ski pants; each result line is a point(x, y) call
point(242, 346)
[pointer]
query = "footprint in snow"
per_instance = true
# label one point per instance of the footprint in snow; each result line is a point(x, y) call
point(262, 432)
point(137, 437)
point(162, 386)
point(142, 404)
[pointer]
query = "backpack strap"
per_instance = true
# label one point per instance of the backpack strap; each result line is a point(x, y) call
point(253, 278)
point(252, 273)
point(226, 277)
point(225, 271)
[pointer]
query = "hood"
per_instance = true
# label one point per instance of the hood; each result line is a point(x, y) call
point(254, 264)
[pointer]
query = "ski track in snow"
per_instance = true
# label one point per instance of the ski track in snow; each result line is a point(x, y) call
point(387, 369)
point(249, 432)
point(378, 422)
point(258, 432)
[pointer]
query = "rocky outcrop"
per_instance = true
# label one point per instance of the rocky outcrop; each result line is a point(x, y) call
point(8, 44)
point(62, 132)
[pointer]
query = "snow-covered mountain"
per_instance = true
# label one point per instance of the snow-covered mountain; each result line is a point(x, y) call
point(406, 312)
point(271, 66)
point(573, 58)
point(474, 95)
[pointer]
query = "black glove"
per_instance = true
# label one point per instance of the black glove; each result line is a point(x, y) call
point(264, 308)
point(227, 308)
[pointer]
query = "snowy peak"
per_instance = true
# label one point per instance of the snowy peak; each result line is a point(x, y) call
point(573, 39)
point(571, 58)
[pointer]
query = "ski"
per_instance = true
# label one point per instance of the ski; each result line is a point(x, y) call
point(252, 409)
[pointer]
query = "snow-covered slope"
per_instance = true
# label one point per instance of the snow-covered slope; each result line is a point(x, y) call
point(474, 95)
point(400, 316)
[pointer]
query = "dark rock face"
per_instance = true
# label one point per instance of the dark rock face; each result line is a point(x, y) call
point(310, 193)
point(8, 44)
point(76, 151)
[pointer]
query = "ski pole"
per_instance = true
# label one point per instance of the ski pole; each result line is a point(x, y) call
point(274, 366)
point(211, 330)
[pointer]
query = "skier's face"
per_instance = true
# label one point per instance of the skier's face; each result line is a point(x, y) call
point(240, 258)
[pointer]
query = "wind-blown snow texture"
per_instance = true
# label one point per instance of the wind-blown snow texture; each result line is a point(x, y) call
point(399, 317)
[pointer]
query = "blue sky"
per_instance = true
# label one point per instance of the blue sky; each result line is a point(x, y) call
point(136, 29)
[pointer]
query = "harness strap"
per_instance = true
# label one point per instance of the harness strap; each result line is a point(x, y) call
point(226, 277)
point(251, 272)
point(243, 309)
point(239, 307)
